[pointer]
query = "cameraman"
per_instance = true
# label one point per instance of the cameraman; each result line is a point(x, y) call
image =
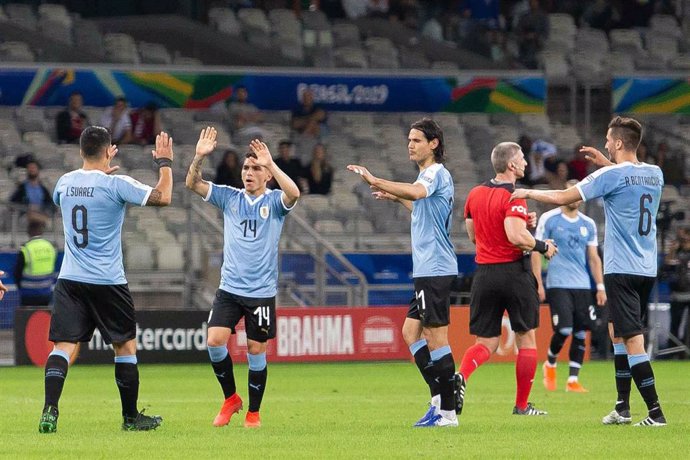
point(677, 265)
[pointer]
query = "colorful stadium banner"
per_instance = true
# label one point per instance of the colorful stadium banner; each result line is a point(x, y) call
point(651, 95)
point(275, 91)
point(302, 335)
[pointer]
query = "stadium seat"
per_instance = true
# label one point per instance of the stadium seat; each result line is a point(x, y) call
point(21, 15)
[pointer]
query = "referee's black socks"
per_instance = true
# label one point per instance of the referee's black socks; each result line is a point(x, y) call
point(55, 375)
point(127, 379)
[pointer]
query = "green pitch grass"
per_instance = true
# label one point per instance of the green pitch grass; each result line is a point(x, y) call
point(338, 411)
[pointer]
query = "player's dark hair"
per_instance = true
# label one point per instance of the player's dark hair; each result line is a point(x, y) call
point(251, 155)
point(502, 154)
point(431, 131)
point(628, 130)
point(93, 141)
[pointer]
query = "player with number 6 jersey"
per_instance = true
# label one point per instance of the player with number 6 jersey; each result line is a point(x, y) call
point(252, 221)
point(91, 291)
point(631, 191)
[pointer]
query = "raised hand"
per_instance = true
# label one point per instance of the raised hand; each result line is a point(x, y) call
point(110, 154)
point(207, 141)
point(263, 155)
point(595, 156)
point(164, 146)
point(362, 171)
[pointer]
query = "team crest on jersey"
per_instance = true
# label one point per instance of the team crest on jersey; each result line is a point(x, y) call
point(263, 212)
point(584, 232)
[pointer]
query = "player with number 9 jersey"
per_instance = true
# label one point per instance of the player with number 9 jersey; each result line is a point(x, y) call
point(93, 207)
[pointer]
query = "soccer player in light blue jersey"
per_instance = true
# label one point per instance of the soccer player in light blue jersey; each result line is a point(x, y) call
point(434, 265)
point(252, 220)
point(631, 191)
point(568, 289)
point(91, 291)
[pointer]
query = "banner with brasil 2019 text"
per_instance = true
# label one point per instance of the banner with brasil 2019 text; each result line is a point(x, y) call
point(275, 91)
point(651, 95)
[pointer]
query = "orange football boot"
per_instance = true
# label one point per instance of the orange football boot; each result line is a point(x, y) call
point(575, 387)
point(252, 420)
point(231, 406)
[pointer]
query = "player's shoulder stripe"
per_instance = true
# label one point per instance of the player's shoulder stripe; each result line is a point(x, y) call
point(551, 213)
point(615, 167)
point(129, 180)
point(586, 218)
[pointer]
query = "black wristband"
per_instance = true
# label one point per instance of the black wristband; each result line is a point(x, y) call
point(540, 246)
point(163, 162)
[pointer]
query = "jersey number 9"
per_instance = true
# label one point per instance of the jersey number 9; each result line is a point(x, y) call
point(80, 216)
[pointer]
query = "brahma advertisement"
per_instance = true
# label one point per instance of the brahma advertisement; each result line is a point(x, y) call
point(303, 335)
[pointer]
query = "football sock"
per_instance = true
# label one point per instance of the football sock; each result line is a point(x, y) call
point(525, 368)
point(55, 375)
point(474, 357)
point(642, 374)
point(222, 367)
point(422, 358)
point(623, 376)
point(127, 379)
point(444, 368)
point(577, 353)
point(557, 341)
point(258, 372)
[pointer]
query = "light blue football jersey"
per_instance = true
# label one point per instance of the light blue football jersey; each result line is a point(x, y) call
point(251, 227)
point(568, 268)
point(433, 253)
point(631, 194)
point(92, 204)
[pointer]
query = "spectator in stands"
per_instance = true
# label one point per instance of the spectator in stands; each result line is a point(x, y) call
point(319, 172)
point(289, 165)
point(71, 121)
point(117, 120)
point(558, 180)
point(245, 118)
point(229, 171)
point(541, 153)
point(476, 18)
point(33, 194)
point(146, 123)
point(672, 164)
point(34, 271)
point(579, 166)
point(308, 118)
point(677, 265)
point(532, 31)
point(645, 156)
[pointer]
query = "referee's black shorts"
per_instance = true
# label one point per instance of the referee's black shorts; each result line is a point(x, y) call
point(497, 288)
point(79, 308)
point(627, 300)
